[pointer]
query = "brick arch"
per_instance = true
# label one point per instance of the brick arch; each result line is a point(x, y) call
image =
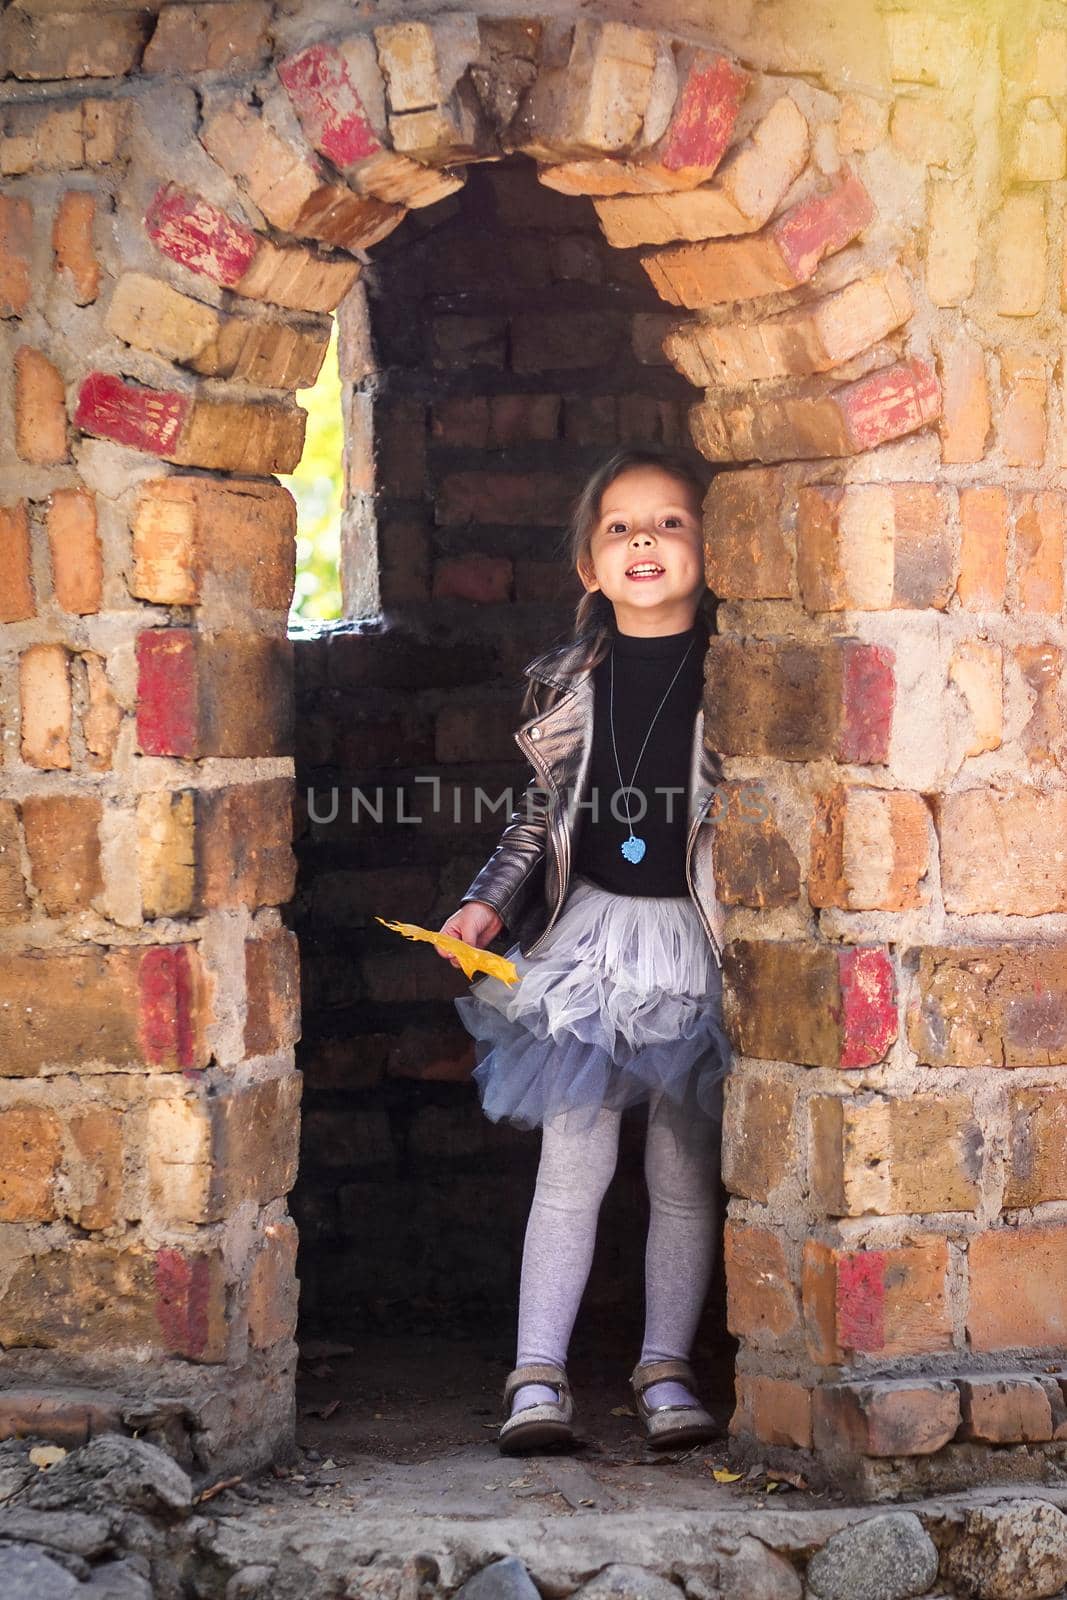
point(247, 184)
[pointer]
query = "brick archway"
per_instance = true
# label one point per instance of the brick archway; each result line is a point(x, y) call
point(238, 182)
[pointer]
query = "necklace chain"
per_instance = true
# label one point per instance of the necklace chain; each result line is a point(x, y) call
point(611, 709)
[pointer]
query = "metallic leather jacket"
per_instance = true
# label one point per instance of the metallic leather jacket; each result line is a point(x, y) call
point(527, 877)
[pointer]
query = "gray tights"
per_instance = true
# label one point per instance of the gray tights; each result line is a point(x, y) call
point(682, 1148)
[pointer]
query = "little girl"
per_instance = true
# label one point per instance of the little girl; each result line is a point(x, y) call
point(619, 998)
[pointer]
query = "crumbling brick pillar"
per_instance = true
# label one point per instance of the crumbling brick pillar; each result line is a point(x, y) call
point(886, 686)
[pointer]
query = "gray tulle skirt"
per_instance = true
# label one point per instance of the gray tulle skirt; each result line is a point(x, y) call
point(621, 1002)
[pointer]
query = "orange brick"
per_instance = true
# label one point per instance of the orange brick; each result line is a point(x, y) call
point(242, 532)
point(951, 241)
point(923, 131)
point(1022, 421)
point(73, 247)
point(785, 255)
point(96, 1184)
point(45, 701)
point(761, 1151)
point(228, 872)
point(1039, 551)
point(273, 1287)
point(748, 556)
point(776, 1410)
point(1041, 667)
point(862, 124)
point(989, 1005)
point(888, 1302)
point(63, 841)
point(976, 669)
point(889, 1417)
point(288, 186)
point(983, 575)
point(272, 985)
point(762, 1303)
point(17, 601)
point(1040, 150)
point(40, 409)
point(1020, 255)
point(145, 1008)
point(16, 243)
point(874, 546)
point(74, 544)
point(206, 1155)
point(30, 1149)
point(216, 37)
point(62, 138)
point(889, 1155)
point(1036, 1168)
point(870, 850)
point(966, 415)
point(1004, 1410)
point(13, 902)
point(1016, 1289)
point(753, 859)
point(1021, 877)
point(87, 1296)
point(41, 47)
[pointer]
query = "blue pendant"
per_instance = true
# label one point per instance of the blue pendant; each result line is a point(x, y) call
point(633, 849)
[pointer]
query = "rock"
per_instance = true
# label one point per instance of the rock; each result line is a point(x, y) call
point(116, 1580)
point(506, 1579)
point(1016, 1550)
point(251, 1583)
point(113, 1470)
point(759, 1573)
point(82, 1533)
point(888, 1557)
point(621, 1582)
point(27, 1571)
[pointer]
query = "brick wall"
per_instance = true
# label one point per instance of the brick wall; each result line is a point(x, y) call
point(857, 237)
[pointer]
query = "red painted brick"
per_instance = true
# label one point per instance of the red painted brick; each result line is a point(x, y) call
point(868, 695)
point(861, 1300)
point(168, 1009)
point(167, 700)
point(189, 1303)
point(705, 114)
point(328, 104)
point(827, 222)
point(889, 403)
point(868, 1004)
point(200, 235)
point(146, 419)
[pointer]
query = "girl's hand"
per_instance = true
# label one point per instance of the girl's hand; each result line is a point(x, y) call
point(475, 923)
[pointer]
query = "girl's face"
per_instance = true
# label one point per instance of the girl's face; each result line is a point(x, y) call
point(648, 518)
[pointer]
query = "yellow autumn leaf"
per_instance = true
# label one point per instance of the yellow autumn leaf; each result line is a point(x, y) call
point(721, 1475)
point(470, 958)
point(46, 1455)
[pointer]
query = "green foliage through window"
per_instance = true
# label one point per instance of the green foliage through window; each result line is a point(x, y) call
point(317, 486)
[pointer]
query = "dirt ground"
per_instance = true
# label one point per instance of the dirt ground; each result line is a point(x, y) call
point(406, 1423)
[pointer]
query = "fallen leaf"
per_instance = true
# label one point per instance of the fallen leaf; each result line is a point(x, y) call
point(470, 958)
point(721, 1475)
point(587, 1502)
point(623, 1411)
point(46, 1455)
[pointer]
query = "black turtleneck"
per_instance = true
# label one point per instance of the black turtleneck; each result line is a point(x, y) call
point(643, 667)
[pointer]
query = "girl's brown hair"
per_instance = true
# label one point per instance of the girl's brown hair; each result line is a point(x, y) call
point(594, 610)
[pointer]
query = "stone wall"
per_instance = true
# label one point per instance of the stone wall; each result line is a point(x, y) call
point(189, 191)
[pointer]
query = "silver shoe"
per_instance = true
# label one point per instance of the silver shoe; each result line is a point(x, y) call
point(670, 1427)
point(539, 1426)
